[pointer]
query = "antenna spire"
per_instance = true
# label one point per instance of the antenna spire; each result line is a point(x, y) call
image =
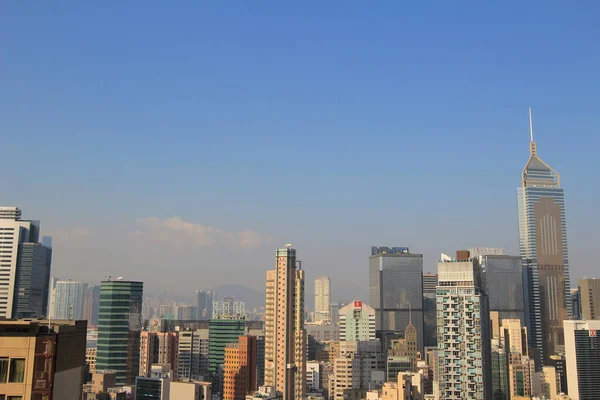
point(530, 125)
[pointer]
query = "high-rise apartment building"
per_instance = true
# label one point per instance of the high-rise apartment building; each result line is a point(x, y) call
point(464, 359)
point(228, 308)
point(543, 248)
point(353, 369)
point(589, 295)
point(506, 281)
point(158, 348)
point(91, 305)
point(67, 299)
point(119, 327)
point(429, 311)
point(240, 368)
point(357, 322)
point(285, 337)
point(24, 267)
point(41, 359)
point(396, 290)
point(582, 351)
point(322, 298)
point(193, 351)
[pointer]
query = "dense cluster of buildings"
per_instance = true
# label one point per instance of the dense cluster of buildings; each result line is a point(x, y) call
point(486, 325)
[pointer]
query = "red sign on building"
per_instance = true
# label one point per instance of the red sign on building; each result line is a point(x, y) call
point(357, 304)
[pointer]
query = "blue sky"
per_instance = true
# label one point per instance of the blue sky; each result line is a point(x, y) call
point(331, 126)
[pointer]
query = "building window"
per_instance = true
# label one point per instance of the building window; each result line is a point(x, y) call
point(17, 370)
point(3, 370)
point(13, 398)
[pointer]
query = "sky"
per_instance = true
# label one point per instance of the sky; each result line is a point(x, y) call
point(181, 144)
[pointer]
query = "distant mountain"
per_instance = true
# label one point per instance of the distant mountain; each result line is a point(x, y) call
point(252, 297)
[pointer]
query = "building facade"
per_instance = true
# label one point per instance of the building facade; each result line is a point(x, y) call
point(322, 298)
point(91, 305)
point(506, 284)
point(193, 351)
point(429, 311)
point(240, 368)
point(42, 359)
point(158, 348)
point(357, 322)
point(285, 337)
point(24, 267)
point(221, 333)
point(589, 297)
point(228, 308)
point(396, 290)
point(67, 299)
point(582, 353)
point(119, 327)
point(464, 358)
point(543, 248)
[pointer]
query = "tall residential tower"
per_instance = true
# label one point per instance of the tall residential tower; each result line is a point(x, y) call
point(543, 247)
point(285, 339)
point(322, 298)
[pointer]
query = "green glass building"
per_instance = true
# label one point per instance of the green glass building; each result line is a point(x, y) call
point(119, 326)
point(221, 332)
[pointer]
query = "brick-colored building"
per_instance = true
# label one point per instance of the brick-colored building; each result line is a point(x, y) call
point(158, 348)
point(240, 368)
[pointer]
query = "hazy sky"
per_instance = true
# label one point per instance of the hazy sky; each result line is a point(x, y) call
point(181, 143)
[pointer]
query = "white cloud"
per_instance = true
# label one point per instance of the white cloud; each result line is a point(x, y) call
point(179, 233)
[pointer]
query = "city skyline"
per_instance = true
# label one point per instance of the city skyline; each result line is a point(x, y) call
point(353, 116)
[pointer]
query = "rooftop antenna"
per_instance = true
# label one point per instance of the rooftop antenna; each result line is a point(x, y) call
point(530, 125)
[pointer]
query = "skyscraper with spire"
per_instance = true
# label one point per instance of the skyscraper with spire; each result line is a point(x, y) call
point(543, 248)
point(285, 337)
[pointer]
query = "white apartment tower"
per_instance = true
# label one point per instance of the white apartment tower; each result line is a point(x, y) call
point(357, 322)
point(463, 329)
point(285, 337)
point(322, 298)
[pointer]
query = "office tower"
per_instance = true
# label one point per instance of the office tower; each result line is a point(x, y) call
point(191, 390)
point(500, 382)
point(506, 281)
point(543, 247)
point(322, 298)
point(514, 336)
point(32, 280)
point(589, 292)
point(91, 305)
point(396, 290)
point(41, 359)
point(228, 308)
point(576, 303)
point(354, 368)
point(119, 327)
point(158, 348)
point(429, 311)
point(559, 363)
point(582, 353)
point(156, 386)
point(357, 322)
point(463, 330)
point(185, 312)
point(193, 351)
point(221, 332)
point(210, 297)
point(201, 303)
point(67, 299)
point(240, 368)
point(285, 337)
point(24, 266)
